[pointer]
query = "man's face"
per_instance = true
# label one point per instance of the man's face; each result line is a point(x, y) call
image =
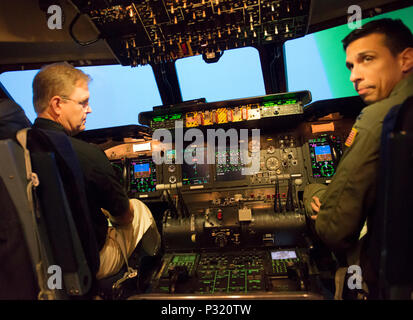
point(374, 69)
point(75, 109)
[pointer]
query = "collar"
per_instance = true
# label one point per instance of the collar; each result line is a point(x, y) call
point(47, 124)
point(402, 85)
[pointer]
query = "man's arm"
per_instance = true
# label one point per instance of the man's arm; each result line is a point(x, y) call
point(345, 204)
point(124, 219)
point(111, 196)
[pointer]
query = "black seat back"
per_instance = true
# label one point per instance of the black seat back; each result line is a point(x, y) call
point(61, 233)
point(50, 232)
point(58, 144)
point(390, 234)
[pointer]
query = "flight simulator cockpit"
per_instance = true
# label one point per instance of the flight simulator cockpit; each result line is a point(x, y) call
point(224, 173)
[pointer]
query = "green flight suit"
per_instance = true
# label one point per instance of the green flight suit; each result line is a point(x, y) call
point(351, 196)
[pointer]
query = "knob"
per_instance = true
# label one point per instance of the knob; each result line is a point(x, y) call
point(221, 240)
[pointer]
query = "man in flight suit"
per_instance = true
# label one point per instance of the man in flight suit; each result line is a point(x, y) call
point(380, 59)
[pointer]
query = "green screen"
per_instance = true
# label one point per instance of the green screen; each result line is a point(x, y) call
point(333, 56)
point(322, 70)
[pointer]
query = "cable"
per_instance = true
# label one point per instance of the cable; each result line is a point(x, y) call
point(171, 205)
point(184, 209)
point(287, 200)
point(277, 200)
point(75, 19)
point(290, 200)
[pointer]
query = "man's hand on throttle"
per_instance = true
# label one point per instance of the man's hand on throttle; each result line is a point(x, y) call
point(315, 205)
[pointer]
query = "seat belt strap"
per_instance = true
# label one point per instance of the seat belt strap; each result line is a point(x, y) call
point(32, 183)
point(131, 272)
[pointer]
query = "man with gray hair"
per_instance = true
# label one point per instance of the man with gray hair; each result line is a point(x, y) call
point(61, 101)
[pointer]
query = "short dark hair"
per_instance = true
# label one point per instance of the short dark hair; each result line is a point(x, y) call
point(398, 36)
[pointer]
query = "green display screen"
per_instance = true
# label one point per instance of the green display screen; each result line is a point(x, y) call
point(167, 117)
point(184, 258)
point(279, 102)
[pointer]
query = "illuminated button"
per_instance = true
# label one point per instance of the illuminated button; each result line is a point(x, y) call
point(219, 215)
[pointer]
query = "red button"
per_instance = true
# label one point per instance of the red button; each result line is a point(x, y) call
point(219, 215)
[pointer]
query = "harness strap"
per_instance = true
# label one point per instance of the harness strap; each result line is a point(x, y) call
point(32, 183)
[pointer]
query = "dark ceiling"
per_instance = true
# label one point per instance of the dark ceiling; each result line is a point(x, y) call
point(27, 42)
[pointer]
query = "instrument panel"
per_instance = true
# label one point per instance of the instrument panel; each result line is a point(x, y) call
point(231, 208)
point(281, 157)
point(235, 112)
point(142, 32)
point(241, 273)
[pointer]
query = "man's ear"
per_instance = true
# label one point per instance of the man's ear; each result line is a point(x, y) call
point(407, 60)
point(55, 105)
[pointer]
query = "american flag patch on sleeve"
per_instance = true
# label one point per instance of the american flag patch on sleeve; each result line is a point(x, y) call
point(351, 136)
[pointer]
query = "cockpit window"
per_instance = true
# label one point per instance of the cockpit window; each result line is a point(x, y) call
point(117, 93)
point(237, 74)
point(317, 62)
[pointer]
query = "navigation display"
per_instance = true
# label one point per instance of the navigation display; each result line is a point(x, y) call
point(195, 173)
point(142, 176)
point(324, 153)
